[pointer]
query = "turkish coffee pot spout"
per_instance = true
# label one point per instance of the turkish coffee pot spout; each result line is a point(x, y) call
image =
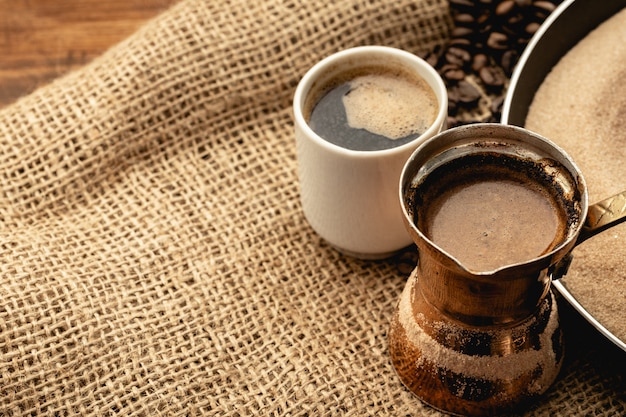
point(473, 342)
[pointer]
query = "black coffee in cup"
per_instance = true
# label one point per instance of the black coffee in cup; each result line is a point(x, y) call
point(372, 108)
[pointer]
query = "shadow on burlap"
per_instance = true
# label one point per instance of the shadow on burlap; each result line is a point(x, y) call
point(155, 259)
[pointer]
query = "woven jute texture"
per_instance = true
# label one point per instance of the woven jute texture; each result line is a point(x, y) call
point(154, 256)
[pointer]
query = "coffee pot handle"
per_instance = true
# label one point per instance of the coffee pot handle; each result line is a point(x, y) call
point(600, 216)
point(603, 215)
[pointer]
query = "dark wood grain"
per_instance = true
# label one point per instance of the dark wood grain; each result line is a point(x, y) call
point(42, 39)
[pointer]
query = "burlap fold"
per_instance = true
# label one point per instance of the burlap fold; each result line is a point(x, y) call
point(154, 256)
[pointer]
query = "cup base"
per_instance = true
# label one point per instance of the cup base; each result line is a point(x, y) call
point(376, 256)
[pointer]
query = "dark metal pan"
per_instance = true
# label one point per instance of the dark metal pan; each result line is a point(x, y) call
point(562, 30)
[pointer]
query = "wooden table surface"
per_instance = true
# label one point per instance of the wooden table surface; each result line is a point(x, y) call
point(43, 39)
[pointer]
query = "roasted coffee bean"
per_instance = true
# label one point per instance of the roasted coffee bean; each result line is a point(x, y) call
point(545, 6)
point(497, 41)
point(454, 59)
point(492, 76)
point(505, 7)
point(462, 3)
point(468, 94)
point(432, 60)
point(531, 28)
point(454, 74)
point(459, 32)
point(483, 17)
point(508, 61)
point(485, 29)
point(514, 21)
point(461, 43)
point(432, 57)
point(458, 56)
point(523, 3)
point(479, 61)
point(465, 19)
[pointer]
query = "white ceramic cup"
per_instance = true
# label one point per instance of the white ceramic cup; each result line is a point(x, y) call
point(350, 197)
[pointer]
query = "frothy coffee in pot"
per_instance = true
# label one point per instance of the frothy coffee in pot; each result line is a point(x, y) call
point(490, 211)
point(375, 108)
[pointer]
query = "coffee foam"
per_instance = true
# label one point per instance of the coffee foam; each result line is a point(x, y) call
point(386, 105)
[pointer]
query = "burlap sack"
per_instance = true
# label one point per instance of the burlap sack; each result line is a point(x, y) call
point(154, 256)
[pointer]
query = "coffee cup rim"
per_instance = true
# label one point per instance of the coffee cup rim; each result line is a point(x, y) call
point(425, 71)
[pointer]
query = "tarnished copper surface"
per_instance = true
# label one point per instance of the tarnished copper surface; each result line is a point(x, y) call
point(487, 342)
point(473, 370)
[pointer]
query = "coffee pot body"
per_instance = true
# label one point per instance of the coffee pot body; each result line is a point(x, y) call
point(474, 342)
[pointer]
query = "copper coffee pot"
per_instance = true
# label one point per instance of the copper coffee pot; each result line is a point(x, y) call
point(487, 342)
